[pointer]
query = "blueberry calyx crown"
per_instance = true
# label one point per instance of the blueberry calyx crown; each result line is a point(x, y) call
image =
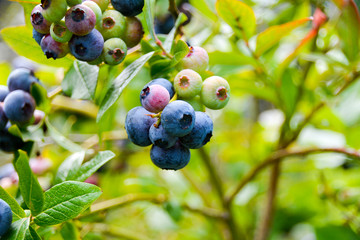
point(45, 4)
point(117, 53)
point(190, 52)
point(80, 49)
point(37, 18)
point(221, 93)
point(185, 121)
point(78, 15)
point(108, 23)
point(59, 30)
point(184, 81)
point(50, 54)
point(144, 92)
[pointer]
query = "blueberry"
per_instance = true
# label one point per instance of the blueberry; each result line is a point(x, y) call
point(21, 78)
point(196, 103)
point(38, 116)
point(96, 9)
point(112, 24)
point(187, 83)
point(165, 83)
point(173, 158)
point(134, 32)
point(103, 4)
point(9, 142)
point(72, 3)
point(59, 32)
point(88, 47)
point(19, 107)
point(5, 217)
point(39, 23)
point(3, 118)
point(215, 92)
point(197, 60)
point(137, 125)
point(80, 20)
point(178, 118)
point(37, 36)
point(164, 25)
point(114, 51)
point(4, 91)
point(128, 8)
point(54, 10)
point(159, 137)
point(53, 49)
point(154, 98)
point(200, 134)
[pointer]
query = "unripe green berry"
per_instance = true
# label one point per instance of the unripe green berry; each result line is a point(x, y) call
point(197, 60)
point(72, 3)
point(112, 24)
point(59, 32)
point(96, 9)
point(54, 10)
point(215, 92)
point(103, 4)
point(114, 51)
point(187, 83)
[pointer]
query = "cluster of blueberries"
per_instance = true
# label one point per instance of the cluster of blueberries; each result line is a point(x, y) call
point(5, 217)
point(17, 106)
point(88, 30)
point(173, 126)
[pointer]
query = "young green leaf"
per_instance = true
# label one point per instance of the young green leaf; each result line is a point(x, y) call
point(69, 231)
point(80, 81)
point(66, 201)
point(92, 166)
point(149, 17)
point(203, 7)
point(18, 230)
point(274, 34)
point(40, 95)
point(29, 186)
point(120, 83)
point(31, 234)
point(170, 37)
point(239, 16)
point(17, 211)
point(69, 167)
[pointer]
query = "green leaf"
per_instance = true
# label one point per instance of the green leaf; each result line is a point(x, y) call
point(17, 230)
point(69, 231)
point(31, 234)
point(31, 133)
point(29, 186)
point(17, 211)
point(148, 10)
point(289, 91)
point(239, 16)
point(92, 166)
point(230, 58)
point(21, 41)
point(69, 167)
point(120, 83)
point(170, 37)
point(66, 201)
point(40, 95)
point(203, 7)
point(335, 232)
point(274, 34)
point(61, 139)
point(80, 81)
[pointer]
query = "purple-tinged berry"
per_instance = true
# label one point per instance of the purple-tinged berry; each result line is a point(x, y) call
point(187, 83)
point(137, 125)
point(154, 98)
point(197, 60)
point(19, 107)
point(80, 20)
point(215, 92)
point(39, 23)
point(103, 4)
point(112, 24)
point(178, 118)
point(128, 8)
point(165, 83)
point(37, 36)
point(88, 47)
point(173, 158)
point(52, 48)
point(5, 216)
point(159, 137)
point(21, 78)
point(54, 10)
point(59, 32)
point(200, 134)
point(38, 116)
point(4, 91)
point(114, 51)
point(134, 32)
point(96, 9)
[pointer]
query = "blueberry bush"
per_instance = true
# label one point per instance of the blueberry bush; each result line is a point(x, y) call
point(176, 119)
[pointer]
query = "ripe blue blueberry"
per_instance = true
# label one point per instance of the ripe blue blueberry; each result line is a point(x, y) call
point(159, 137)
point(197, 60)
point(154, 98)
point(112, 24)
point(178, 118)
point(4, 91)
point(54, 10)
point(37, 36)
point(53, 49)
point(114, 51)
point(133, 32)
point(215, 92)
point(173, 158)
point(164, 25)
point(21, 78)
point(200, 134)
point(187, 83)
point(3, 118)
point(19, 107)
point(5, 217)
point(88, 47)
point(137, 125)
point(39, 23)
point(9, 142)
point(128, 8)
point(165, 83)
point(80, 20)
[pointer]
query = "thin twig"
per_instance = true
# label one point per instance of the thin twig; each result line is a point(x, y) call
point(173, 9)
